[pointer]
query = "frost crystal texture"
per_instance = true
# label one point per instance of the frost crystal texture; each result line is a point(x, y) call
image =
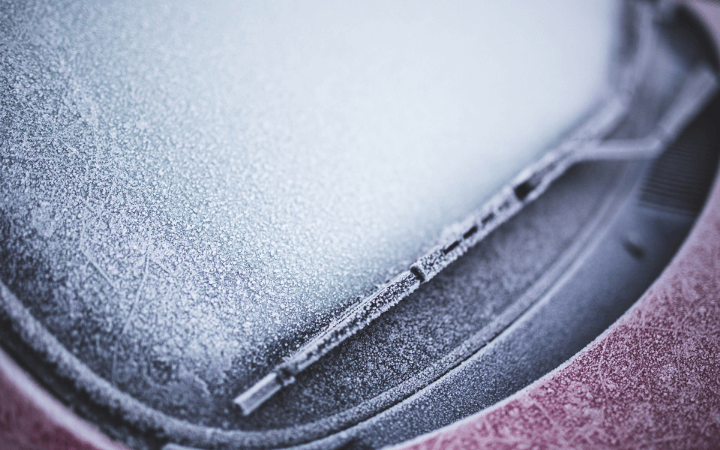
point(205, 186)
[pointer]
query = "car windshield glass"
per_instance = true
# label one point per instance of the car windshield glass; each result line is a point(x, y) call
point(275, 162)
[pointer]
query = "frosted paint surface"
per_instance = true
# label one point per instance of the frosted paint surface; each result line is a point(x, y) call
point(34, 420)
point(240, 173)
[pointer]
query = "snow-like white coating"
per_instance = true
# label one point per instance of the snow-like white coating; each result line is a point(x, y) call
point(247, 170)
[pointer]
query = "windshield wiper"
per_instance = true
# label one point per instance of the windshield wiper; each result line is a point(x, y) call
point(589, 142)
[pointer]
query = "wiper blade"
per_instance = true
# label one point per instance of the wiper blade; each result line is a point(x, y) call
point(586, 144)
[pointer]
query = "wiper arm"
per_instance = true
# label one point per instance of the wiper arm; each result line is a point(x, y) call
point(586, 144)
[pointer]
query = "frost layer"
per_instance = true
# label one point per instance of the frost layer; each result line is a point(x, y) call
point(206, 186)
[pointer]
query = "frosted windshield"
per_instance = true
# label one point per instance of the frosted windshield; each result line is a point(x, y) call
point(275, 161)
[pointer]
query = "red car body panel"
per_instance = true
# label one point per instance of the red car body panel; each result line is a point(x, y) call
point(650, 381)
point(30, 418)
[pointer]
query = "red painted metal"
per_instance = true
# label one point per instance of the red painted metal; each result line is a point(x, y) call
point(31, 419)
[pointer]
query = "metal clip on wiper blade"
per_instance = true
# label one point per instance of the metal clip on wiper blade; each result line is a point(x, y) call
point(585, 144)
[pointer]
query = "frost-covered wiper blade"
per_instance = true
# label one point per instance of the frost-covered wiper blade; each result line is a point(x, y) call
point(586, 144)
